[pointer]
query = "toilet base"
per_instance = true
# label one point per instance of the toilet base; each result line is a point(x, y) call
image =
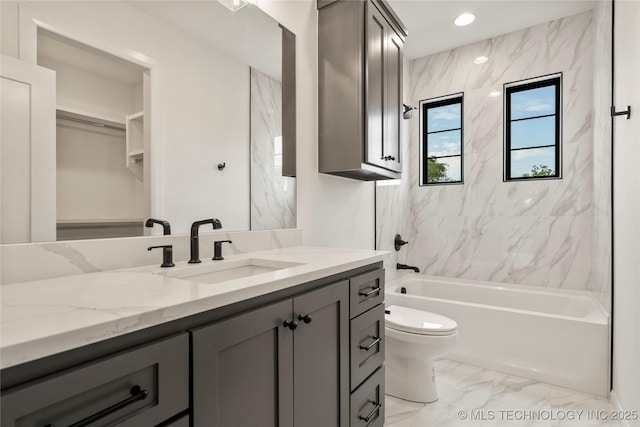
point(422, 386)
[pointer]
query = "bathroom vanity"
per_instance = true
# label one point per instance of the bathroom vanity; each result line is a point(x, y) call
point(285, 337)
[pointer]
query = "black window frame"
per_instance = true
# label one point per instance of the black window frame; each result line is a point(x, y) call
point(425, 105)
point(522, 86)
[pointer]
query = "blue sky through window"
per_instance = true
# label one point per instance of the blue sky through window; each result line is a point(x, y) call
point(533, 132)
point(443, 118)
point(533, 102)
point(444, 144)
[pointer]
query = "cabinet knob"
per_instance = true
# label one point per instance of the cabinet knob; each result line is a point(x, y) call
point(305, 319)
point(387, 158)
point(291, 325)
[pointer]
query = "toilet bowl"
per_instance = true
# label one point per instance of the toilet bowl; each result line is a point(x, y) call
point(414, 338)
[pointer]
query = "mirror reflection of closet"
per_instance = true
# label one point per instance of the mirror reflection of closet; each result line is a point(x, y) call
point(102, 136)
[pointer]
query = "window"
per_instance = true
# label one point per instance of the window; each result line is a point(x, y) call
point(441, 140)
point(533, 128)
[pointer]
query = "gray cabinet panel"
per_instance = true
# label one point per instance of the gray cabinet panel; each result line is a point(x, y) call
point(375, 82)
point(289, 125)
point(242, 370)
point(367, 291)
point(367, 344)
point(161, 369)
point(367, 402)
point(393, 101)
point(180, 422)
point(321, 357)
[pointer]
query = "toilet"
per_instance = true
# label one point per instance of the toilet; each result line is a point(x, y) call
point(414, 338)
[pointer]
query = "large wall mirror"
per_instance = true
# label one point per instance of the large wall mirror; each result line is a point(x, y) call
point(117, 111)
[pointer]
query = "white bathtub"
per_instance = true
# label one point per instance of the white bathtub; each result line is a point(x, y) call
point(555, 336)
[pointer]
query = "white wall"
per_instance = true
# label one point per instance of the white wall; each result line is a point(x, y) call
point(84, 90)
point(332, 211)
point(92, 180)
point(626, 209)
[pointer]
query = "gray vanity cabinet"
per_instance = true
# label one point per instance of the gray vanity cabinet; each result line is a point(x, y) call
point(143, 386)
point(249, 369)
point(360, 47)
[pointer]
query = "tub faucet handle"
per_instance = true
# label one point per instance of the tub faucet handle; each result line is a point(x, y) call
point(398, 242)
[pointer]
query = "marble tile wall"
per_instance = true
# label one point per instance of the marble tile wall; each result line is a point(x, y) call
point(537, 233)
point(273, 196)
point(34, 261)
point(602, 147)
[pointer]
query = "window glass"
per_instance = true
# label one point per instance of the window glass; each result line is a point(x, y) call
point(442, 140)
point(532, 129)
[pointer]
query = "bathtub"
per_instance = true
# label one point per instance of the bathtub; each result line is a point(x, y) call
point(555, 336)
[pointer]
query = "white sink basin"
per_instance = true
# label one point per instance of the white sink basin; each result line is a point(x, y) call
point(222, 271)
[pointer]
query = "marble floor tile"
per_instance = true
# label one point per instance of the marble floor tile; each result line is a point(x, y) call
point(472, 396)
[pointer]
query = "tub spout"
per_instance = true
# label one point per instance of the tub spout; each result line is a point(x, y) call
point(407, 267)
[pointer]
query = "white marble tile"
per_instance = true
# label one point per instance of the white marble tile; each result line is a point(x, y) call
point(453, 245)
point(471, 396)
point(35, 261)
point(488, 192)
point(489, 247)
point(273, 196)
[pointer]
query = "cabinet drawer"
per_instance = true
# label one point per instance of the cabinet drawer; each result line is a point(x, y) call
point(367, 402)
point(367, 344)
point(366, 291)
point(139, 387)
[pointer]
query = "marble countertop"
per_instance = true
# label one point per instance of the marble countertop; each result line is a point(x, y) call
point(46, 317)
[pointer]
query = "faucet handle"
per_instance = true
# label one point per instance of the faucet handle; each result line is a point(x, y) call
point(167, 254)
point(217, 249)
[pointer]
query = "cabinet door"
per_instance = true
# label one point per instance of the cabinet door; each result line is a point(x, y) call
point(375, 84)
point(321, 357)
point(242, 370)
point(393, 100)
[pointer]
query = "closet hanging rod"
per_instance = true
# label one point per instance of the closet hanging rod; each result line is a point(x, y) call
point(90, 122)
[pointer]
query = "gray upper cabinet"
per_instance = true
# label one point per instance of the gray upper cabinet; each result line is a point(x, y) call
point(360, 89)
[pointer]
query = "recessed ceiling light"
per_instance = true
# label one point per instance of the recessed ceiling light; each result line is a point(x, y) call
point(495, 93)
point(480, 60)
point(464, 19)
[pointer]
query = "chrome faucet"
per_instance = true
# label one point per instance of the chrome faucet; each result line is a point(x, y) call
point(195, 243)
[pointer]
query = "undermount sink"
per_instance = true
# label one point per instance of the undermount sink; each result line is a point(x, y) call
point(216, 272)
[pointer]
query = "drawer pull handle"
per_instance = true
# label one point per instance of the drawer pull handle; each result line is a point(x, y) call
point(137, 394)
point(370, 346)
point(371, 292)
point(371, 414)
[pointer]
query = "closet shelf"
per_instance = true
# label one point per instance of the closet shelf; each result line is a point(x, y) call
point(89, 117)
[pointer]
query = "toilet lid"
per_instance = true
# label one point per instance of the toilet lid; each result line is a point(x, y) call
point(418, 321)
